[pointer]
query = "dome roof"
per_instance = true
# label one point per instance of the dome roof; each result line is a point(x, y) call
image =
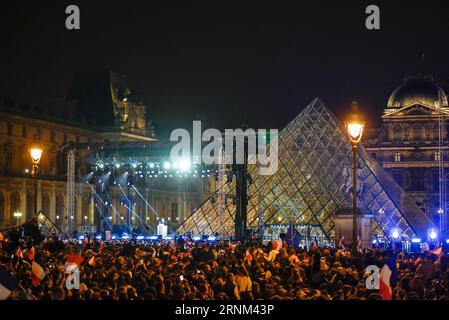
point(418, 90)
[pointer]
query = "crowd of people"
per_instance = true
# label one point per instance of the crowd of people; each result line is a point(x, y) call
point(137, 270)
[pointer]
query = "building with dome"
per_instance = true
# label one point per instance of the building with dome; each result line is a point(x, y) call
point(411, 142)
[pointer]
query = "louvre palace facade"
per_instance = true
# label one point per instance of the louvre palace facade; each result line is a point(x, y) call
point(98, 108)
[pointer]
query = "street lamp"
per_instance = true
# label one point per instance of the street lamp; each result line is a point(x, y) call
point(354, 124)
point(36, 154)
point(18, 215)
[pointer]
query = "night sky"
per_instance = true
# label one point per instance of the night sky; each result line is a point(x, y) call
point(228, 62)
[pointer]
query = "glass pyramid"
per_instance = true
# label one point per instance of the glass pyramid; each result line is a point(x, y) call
point(313, 180)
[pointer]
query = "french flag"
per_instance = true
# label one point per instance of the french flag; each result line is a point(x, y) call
point(7, 284)
point(38, 270)
point(388, 277)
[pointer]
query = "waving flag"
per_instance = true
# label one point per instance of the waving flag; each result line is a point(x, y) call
point(437, 251)
point(19, 253)
point(248, 256)
point(38, 270)
point(74, 258)
point(91, 261)
point(7, 284)
point(31, 253)
point(393, 267)
point(385, 291)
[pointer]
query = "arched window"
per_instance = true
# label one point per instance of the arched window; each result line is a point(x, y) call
point(30, 205)
point(397, 131)
point(417, 132)
point(60, 214)
point(2, 209)
point(85, 210)
point(45, 204)
point(15, 202)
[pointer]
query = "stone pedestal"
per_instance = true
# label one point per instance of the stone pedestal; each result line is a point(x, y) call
point(343, 226)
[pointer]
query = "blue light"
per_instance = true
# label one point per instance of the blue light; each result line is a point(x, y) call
point(169, 238)
point(416, 240)
point(196, 238)
point(395, 233)
point(113, 237)
point(374, 241)
point(447, 240)
point(153, 238)
point(433, 235)
point(139, 237)
point(81, 238)
point(98, 237)
point(211, 238)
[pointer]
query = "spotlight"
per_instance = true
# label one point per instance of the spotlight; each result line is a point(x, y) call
point(167, 165)
point(416, 240)
point(151, 165)
point(395, 234)
point(117, 165)
point(433, 235)
point(134, 165)
point(139, 237)
point(184, 164)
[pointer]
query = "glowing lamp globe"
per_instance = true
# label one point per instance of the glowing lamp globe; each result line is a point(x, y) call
point(355, 122)
point(36, 154)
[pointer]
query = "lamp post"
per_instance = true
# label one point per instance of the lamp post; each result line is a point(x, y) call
point(18, 215)
point(354, 124)
point(36, 154)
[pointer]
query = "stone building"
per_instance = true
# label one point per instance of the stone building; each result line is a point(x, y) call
point(99, 107)
point(412, 143)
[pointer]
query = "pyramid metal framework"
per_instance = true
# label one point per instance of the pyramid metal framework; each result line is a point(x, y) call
point(313, 180)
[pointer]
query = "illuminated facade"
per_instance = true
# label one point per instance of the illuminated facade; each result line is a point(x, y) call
point(412, 143)
point(98, 108)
